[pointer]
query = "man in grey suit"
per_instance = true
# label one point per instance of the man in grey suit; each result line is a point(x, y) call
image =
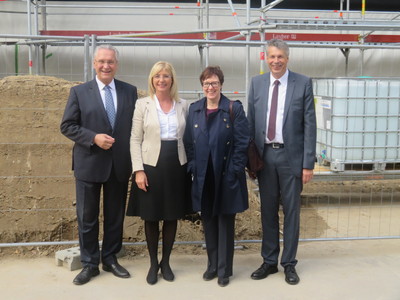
point(282, 122)
point(98, 118)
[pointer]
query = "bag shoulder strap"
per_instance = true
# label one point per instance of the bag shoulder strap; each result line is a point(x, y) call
point(231, 110)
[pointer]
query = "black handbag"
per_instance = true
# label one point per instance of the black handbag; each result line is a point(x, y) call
point(255, 162)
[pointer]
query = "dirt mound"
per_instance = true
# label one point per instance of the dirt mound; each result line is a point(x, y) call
point(37, 192)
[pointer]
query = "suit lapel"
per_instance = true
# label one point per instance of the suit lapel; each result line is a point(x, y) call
point(94, 90)
point(289, 96)
point(179, 115)
point(152, 115)
point(120, 101)
point(262, 110)
point(200, 116)
point(179, 111)
point(152, 107)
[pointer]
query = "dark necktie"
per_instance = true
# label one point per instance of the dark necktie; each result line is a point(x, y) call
point(272, 114)
point(110, 108)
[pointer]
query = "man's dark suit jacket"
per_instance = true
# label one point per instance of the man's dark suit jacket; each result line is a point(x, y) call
point(299, 125)
point(84, 117)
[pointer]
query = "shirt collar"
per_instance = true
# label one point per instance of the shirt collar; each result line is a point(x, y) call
point(102, 85)
point(159, 106)
point(283, 80)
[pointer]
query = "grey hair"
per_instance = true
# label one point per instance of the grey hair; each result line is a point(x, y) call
point(108, 47)
point(280, 44)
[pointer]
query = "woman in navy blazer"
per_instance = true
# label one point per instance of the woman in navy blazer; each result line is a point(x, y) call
point(216, 148)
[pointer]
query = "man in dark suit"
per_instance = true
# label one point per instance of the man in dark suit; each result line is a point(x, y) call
point(98, 118)
point(282, 122)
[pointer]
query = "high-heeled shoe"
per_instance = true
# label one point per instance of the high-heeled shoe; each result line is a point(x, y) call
point(166, 272)
point(152, 275)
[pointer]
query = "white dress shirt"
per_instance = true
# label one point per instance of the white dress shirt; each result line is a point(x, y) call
point(102, 92)
point(283, 81)
point(168, 122)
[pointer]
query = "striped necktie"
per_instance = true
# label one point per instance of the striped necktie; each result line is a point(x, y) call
point(110, 108)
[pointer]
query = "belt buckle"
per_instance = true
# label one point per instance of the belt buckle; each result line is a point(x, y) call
point(275, 146)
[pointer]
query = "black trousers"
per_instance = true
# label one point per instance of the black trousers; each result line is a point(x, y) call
point(88, 209)
point(219, 232)
point(219, 229)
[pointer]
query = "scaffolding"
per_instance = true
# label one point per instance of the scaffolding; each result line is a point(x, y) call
point(342, 29)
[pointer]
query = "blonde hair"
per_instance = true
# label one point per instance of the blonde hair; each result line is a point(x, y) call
point(157, 68)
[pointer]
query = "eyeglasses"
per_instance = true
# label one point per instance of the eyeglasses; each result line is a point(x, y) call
point(158, 76)
point(103, 62)
point(214, 84)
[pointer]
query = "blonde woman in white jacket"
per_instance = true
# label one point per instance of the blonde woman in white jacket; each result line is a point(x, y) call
point(161, 187)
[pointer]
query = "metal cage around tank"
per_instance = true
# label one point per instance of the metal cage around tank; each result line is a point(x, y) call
point(358, 121)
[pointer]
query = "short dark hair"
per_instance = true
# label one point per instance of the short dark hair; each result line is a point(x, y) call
point(210, 71)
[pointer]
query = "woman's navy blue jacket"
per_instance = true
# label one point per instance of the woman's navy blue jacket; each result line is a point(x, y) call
point(226, 142)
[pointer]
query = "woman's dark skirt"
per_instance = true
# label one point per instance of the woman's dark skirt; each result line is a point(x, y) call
point(168, 193)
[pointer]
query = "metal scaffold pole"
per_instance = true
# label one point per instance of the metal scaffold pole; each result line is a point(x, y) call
point(87, 64)
point(37, 52)
point(262, 39)
point(44, 27)
point(94, 45)
point(248, 37)
point(29, 33)
point(208, 34)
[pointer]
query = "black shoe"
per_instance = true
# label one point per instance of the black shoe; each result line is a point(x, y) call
point(152, 275)
point(291, 276)
point(263, 271)
point(117, 270)
point(224, 281)
point(85, 275)
point(209, 275)
point(166, 272)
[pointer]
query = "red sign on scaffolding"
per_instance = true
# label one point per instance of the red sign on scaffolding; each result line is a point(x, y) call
point(301, 37)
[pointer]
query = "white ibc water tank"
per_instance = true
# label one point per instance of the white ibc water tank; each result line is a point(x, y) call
point(358, 120)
